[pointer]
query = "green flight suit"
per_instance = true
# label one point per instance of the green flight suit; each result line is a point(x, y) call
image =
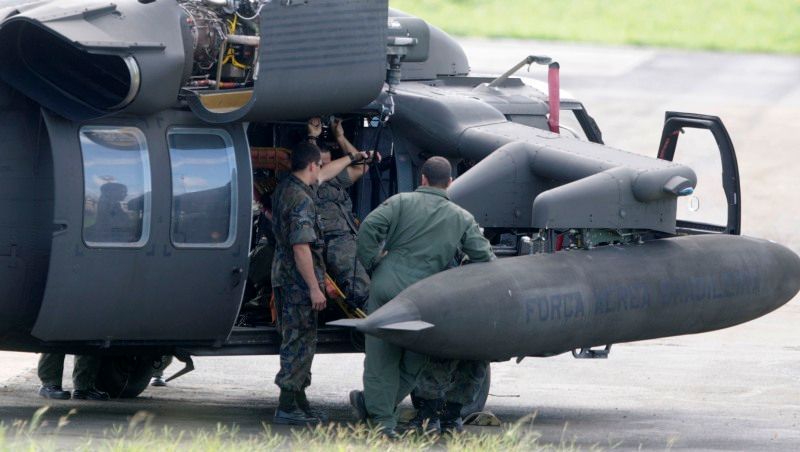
point(84, 372)
point(422, 231)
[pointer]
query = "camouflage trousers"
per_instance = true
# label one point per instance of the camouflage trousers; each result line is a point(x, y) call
point(297, 325)
point(84, 372)
point(345, 269)
point(456, 381)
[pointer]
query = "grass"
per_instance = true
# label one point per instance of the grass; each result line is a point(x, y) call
point(771, 26)
point(139, 436)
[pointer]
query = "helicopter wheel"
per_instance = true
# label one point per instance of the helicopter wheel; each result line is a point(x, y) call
point(125, 377)
point(480, 398)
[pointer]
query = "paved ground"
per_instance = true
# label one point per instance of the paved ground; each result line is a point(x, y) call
point(730, 390)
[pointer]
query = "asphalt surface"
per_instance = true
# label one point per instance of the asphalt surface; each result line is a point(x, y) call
point(735, 389)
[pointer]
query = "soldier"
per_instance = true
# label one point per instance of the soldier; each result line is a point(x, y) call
point(444, 387)
point(422, 231)
point(338, 222)
point(297, 274)
point(84, 373)
point(158, 373)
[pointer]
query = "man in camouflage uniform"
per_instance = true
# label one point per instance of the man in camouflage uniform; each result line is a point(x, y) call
point(298, 273)
point(339, 224)
point(444, 387)
point(84, 373)
point(421, 232)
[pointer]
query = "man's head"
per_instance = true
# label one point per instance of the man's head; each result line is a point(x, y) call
point(437, 172)
point(306, 162)
point(325, 154)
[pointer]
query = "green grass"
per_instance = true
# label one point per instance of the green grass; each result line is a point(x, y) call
point(35, 435)
point(771, 26)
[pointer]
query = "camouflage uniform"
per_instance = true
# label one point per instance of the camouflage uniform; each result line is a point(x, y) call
point(338, 223)
point(295, 221)
point(84, 372)
point(421, 231)
point(456, 381)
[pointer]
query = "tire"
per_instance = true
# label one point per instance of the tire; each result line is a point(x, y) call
point(480, 398)
point(125, 377)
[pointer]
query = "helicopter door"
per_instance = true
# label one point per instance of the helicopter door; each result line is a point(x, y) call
point(152, 230)
point(702, 143)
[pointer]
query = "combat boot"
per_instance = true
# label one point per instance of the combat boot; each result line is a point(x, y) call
point(359, 405)
point(288, 413)
point(54, 392)
point(427, 417)
point(451, 418)
point(305, 405)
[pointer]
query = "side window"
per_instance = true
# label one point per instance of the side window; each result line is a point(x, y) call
point(116, 170)
point(203, 187)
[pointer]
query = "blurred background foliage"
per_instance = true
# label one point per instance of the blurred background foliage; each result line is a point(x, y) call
point(771, 26)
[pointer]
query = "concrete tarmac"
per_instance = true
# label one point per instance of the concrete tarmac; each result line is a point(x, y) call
point(736, 389)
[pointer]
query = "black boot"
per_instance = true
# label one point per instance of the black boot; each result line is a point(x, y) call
point(288, 413)
point(451, 418)
point(303, 404)
point(54, 392)
point(427, 418)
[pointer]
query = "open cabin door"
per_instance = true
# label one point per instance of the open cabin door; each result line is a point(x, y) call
point(152, 230)
point(702, 143)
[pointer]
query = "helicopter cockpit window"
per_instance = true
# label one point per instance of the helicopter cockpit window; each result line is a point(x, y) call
point(203, 187)
point(116, 169)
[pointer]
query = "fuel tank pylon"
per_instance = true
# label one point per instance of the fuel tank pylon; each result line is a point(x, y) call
point(546, 304)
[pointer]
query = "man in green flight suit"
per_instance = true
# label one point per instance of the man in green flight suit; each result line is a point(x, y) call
point(298, 272)
point(338, 222)
point(421, 232)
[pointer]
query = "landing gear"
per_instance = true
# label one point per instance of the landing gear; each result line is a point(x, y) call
point(125, 377)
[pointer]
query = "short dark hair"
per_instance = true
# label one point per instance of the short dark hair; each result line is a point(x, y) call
point(438, 171)
point(304, 154)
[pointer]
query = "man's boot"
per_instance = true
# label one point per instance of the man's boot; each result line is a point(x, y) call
point(305, 405)
point(359, 405)
point(427, 417)
point(450, 420)
point(288, 413)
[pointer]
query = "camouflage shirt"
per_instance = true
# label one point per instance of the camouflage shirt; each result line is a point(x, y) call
point(295, 221)
point(335, 206)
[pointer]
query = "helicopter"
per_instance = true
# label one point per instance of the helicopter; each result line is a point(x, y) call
point(132, 133)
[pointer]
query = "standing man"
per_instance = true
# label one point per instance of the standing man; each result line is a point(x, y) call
point(421, 232)
point(298, 273)
point(338, 222)
point(84, 373)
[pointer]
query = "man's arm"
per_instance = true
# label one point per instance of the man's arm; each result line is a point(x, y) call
point(332, 169)
point(475, 245)
point(301, 233)
point(305, 265)
point(355, 173)
point(373, 231)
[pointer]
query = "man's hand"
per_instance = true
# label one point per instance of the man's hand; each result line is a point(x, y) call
point(318, 301)
point(314, 127)
point(338, 130)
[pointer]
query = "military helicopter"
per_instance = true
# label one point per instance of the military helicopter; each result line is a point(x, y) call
point(131, 133)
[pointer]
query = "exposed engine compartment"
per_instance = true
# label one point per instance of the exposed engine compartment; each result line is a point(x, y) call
point(225, 39)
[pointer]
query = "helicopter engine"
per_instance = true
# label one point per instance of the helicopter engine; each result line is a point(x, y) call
point(224, 37)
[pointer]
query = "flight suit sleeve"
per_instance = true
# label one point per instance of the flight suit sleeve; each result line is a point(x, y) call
point(373, 231)
point(475, 245)
point(302, 217)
